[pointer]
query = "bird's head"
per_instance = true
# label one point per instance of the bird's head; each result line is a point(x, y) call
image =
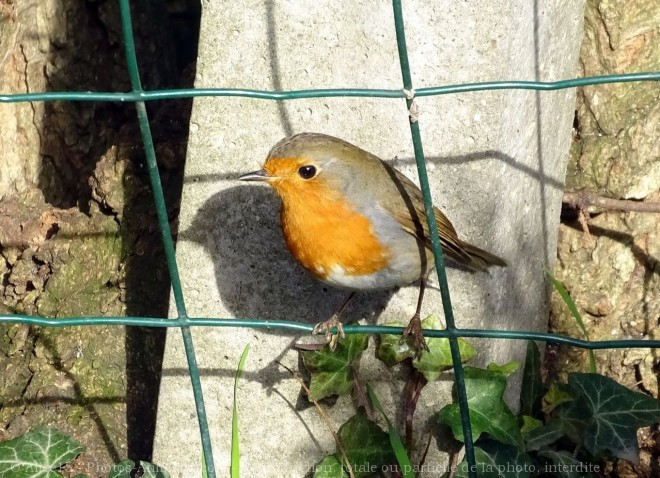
point(308, 166)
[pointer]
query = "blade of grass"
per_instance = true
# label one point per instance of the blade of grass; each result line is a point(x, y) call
point(559, 287)
point(235, 453)
point(395, 439)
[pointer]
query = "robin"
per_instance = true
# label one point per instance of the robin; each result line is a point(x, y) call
point(355, 223)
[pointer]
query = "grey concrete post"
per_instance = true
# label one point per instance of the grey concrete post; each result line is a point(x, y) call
point(496, 161)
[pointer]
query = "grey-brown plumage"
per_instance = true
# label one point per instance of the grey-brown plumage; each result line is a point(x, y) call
point(368, 180)
point(356, 223)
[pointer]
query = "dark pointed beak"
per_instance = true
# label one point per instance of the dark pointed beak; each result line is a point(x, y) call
point(260, 175)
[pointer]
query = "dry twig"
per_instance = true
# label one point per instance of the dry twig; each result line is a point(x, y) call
point(324, 416)
point(586, 199)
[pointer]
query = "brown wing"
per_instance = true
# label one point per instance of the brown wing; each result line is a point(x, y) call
point(407, 208)
point(412, 218)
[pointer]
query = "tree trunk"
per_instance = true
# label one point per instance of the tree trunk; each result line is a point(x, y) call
point(78, 231)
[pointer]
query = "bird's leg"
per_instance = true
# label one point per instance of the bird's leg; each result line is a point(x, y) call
point(414, 327)
point(334, 321)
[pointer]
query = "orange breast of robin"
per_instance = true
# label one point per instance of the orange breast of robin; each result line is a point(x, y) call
point(324, 232)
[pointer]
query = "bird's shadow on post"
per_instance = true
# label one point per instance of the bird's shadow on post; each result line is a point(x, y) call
point(255, 274)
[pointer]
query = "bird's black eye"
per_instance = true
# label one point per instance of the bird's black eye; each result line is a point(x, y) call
point(307, 172)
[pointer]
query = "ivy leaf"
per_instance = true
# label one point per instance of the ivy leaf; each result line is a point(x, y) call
point(532, 385)
point(332, 371)
point(506, 369)
point(37, 453)
point(529, 424)
point(122, 469)
point(366, 445)
point(494, 459)
point(330, 467)
point(607, 415)
point(432, 362)
point(557, 394)
point(564, 465)
point(437, 358)
point(151, 470)
point(392, 349)
point(543, 436)
point(573, 418)
point(488, 411)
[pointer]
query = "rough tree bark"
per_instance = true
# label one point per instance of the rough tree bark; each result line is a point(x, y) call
point(77, 227)
point(614, 277)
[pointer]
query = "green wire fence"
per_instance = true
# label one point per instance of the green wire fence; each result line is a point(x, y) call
point(139, 96)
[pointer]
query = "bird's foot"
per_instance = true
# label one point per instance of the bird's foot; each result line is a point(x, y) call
point(327, 326)
point(414, 329)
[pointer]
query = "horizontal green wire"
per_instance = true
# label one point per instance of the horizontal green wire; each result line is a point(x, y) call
point(349, 329)
point(327, 93)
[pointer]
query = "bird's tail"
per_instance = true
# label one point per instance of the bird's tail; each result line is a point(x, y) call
point(481, 260)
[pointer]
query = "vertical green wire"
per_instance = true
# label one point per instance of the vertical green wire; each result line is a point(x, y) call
point(435, 242)
point(168, 243)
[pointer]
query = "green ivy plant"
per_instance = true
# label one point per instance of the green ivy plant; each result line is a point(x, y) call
point(40, 453)
point(336, 373)
point(562, 429)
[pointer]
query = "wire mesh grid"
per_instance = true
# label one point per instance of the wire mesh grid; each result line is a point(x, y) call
point(138, 96)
